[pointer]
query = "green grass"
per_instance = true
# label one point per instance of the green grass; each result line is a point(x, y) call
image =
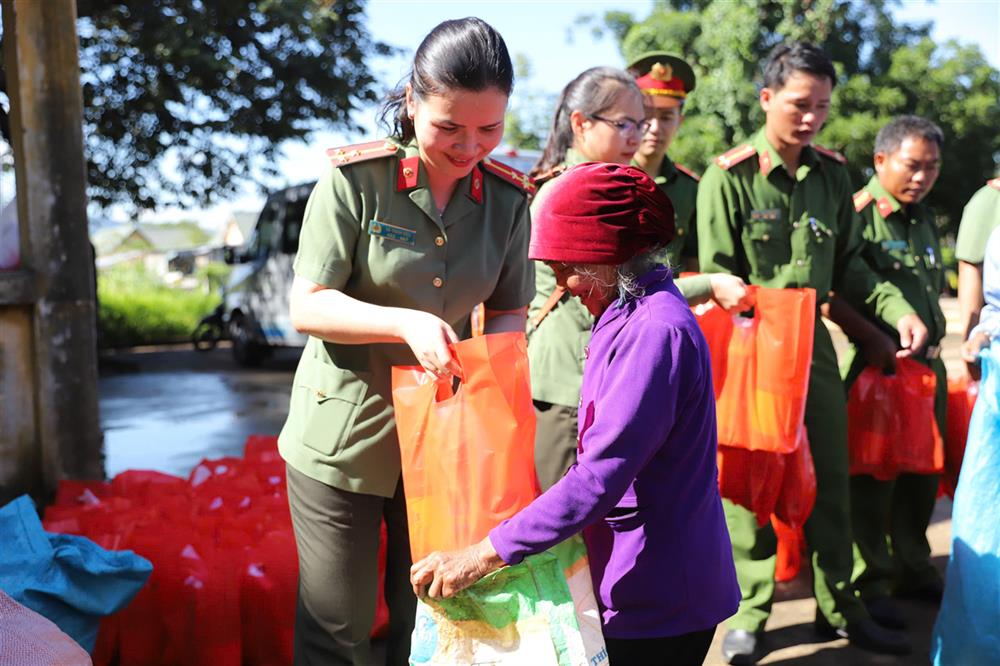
point(135, 308)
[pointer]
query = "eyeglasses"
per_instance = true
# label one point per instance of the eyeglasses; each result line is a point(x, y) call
point(625, 125)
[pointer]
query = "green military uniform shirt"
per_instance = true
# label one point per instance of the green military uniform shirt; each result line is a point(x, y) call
point(902, 247)
point(681, 186)
point(980, 217)
point(557, 349)
point(783, 231)
point(372, 230)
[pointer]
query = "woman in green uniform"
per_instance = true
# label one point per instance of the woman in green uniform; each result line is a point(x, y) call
point(600, 117)
point(401, 239)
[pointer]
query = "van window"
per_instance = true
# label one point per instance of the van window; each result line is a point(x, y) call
point(264, 234)
point(294, 212)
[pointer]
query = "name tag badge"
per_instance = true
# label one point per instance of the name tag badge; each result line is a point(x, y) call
point(768, 214)
point(894, 245)
point(392, 232)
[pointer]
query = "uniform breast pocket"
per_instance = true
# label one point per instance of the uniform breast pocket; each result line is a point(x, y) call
point(888, 262)
point(769, 244)
point(394, 261)
point(821, 245)
point(325, 402)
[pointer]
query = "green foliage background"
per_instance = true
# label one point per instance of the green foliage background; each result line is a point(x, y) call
point(135, 308)
point(886, 69)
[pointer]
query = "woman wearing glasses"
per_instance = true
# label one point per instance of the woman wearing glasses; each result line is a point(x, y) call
point(600, 117)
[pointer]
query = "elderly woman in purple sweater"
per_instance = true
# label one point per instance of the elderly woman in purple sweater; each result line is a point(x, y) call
point(644, 489)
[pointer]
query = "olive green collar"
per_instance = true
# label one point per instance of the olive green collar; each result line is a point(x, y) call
point(769, 160)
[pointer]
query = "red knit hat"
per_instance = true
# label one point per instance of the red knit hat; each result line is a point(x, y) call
point(600, 213)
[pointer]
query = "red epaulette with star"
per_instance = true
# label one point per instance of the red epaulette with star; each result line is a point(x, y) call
point(731, 158)
point(861, 199)
point(687, 172)
point(361, 152)
point(995, 183)
point(508, 173)
point(832, 154)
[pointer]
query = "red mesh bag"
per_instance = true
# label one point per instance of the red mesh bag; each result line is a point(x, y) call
point(798, 486)
point(961, 399)
point(751, 479)
point(891, 424)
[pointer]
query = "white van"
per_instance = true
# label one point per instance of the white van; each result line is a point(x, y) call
point(256, 294)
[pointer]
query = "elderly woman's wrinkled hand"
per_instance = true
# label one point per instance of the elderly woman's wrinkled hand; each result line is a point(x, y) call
point(730, 292)
point(444, 574)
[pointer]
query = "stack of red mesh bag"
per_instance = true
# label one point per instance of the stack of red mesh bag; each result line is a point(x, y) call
point(225, 567)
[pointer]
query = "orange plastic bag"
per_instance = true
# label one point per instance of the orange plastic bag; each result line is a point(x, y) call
point(762, 391)
point(891, 427)
point(717, 327)
point(961, 399)
point(468, 455)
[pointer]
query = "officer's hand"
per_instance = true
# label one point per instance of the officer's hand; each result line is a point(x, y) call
point(730, 292)
point(443, 574)
point(970, 353)
point(429, 336)
point(880, 352)
point(912, 335)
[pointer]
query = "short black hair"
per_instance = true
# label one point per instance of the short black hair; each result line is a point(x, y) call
point(788, 58)
point(897, 130)
point(461, 54)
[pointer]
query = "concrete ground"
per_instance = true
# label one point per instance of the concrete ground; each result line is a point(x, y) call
point(790, 636)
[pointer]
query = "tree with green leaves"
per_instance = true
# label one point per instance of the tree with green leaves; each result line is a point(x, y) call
point(886, 68)
point(208, 89)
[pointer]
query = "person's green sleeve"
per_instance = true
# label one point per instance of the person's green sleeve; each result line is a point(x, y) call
point(695, 288)
point(979, 218)
point(720, 249)
point(516, 285)
point(853, 278)
point(330, 230)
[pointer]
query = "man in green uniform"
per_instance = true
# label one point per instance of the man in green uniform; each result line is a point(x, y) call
point(777, 212)
point(980, 217)
point(666, 81)
point(901, 244)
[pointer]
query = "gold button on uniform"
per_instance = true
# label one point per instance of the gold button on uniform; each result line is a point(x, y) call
point(437, 282)
point(439, 241)
point(896, 265)
point(800, 262)
point(408, 172)
point(766, 237)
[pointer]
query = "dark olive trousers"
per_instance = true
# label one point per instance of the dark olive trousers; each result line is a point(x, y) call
point(555, 441)
point(337, 535)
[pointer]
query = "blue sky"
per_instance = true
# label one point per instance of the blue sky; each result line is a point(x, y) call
point(544, 31)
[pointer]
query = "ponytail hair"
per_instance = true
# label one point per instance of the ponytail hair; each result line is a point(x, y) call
point(592, 92)
point(462, 54)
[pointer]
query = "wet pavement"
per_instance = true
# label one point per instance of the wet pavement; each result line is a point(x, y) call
point(166, 409)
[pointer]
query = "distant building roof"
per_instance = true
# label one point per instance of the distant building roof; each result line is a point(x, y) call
point(159, 238)
point(239, 226)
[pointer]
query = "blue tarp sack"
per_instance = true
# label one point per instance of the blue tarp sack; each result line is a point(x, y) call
point(68, 579)
point(967, 631)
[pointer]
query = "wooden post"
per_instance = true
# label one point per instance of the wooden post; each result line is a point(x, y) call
point(48, 362)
